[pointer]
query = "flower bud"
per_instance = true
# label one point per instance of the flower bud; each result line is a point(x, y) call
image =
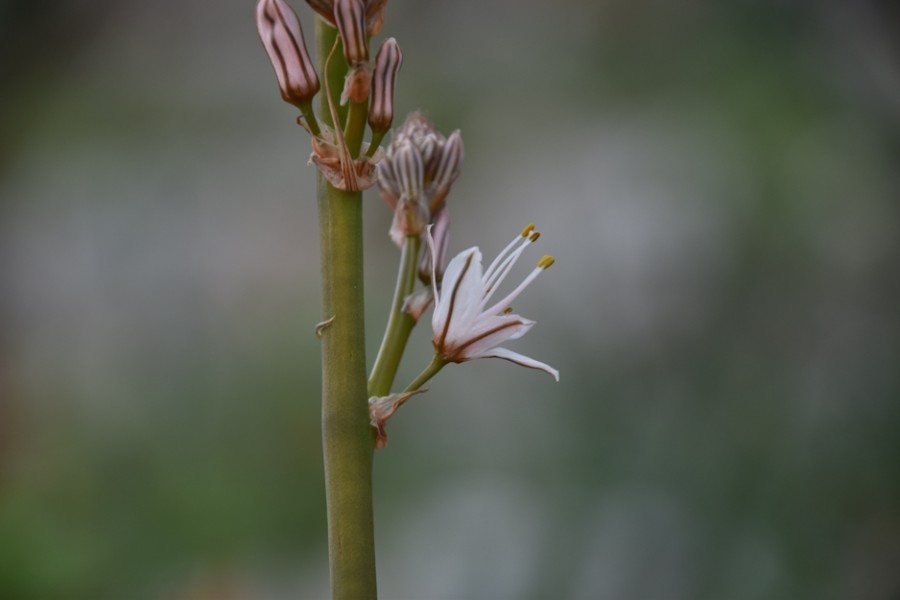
point(387, 182)
point(446, 170)
point(281, 35)
point(387, 63)
point(350, 18)
point(374, 13)
point(324, 8)
point(409, 171)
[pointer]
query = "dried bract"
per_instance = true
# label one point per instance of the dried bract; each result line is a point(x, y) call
point(343, 173)
point(382, 408)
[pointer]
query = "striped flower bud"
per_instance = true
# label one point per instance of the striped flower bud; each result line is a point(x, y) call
point(438, 157)
point(409, 171)
point(350, 18)
point(387, 63)
point(281, 35)
point(446, 170)
point(324, 8)
point(374, 13)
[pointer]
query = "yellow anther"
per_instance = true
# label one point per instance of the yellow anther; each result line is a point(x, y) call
point(534, 236)
point(507, 310)
point(528, 230)
point(545, 262)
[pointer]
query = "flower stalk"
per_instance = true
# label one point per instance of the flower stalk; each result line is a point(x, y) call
point(346, 431)
point(437, 363)
point(414, 175)
point(400, 323)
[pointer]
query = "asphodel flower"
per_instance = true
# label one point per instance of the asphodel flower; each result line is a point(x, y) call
point(466, 323)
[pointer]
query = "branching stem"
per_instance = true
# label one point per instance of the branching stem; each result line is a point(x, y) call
point(400, 324)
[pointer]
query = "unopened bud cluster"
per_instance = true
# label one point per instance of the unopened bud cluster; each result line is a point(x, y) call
point(356, 21)
point(416, 175)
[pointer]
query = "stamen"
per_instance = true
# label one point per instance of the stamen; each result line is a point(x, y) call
point(507, 310)
point(534, 236)
point(503, 253)
point(546, 261)
point(503, 269)
point(513, 294)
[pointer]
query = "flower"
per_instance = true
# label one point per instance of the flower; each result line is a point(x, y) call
point(465, 325)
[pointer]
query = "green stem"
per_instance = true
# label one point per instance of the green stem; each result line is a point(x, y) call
point(400, 324)
point(310, 117)
point(346, 432)
point(430, 371)
point(356, 126)
point(377, 136)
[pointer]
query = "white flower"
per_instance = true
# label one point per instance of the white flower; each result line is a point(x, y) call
point(465, 325)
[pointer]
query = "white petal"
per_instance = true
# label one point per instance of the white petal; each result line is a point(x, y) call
point(485, 333)
point(513, 294)
point(460, 296)
point(521, 360)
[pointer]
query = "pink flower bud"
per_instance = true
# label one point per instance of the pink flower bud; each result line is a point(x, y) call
point(387, 63)
point(350, 18)
point(374, 13)
point(446, 171)
point(280, 32)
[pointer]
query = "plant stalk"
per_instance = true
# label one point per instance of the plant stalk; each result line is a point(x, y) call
point(346, 431)
point(430, 371)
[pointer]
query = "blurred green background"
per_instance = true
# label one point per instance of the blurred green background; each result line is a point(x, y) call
point(719, 182)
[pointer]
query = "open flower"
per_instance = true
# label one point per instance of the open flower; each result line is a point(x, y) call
point(466, 324)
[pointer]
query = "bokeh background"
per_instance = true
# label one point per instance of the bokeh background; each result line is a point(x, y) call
point(719, 182)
